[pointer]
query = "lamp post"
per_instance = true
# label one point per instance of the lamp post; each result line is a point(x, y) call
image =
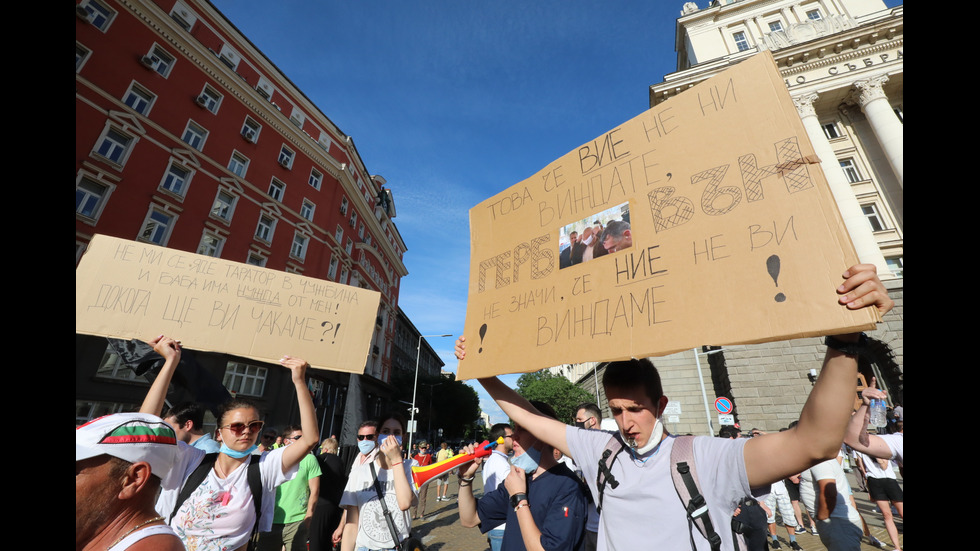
point(415, 387)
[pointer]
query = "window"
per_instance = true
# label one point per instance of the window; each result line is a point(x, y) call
point(343, 276)
point(315, 178)
point(360, 232)
point(255, 259)
point(238, 164)
point(831, 131)
point(896, 265)
point(156, 227)
point(353, 220)
point(332, 273)
point(183, 16)
point(339, 234)
point(210, 245)
point(114, 145)
point(96, 13)
point(266, 228)
point(298, 250)
point(209, 99)
point(871, 213)
point(343, 206)
point(194, 136)
point(286, 157)
point(349, 247)
point(139, 99)
point(306, 211)
point(814, 15)
point(367, 240)
point(245, 379)
point(81, 55)
point(740, 41)
point(90, 197)
point(159, 60)
point(851, 171)
point(775, 26)
point(112, 367)
point(224, 205)
point(250, 130)
point(277, 189)
point(176, 179)
point(85, 411)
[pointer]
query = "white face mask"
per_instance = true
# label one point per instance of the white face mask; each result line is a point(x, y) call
point(588, 240)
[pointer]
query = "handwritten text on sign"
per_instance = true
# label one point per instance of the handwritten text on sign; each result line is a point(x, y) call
point(130, 289)
point(703, 221)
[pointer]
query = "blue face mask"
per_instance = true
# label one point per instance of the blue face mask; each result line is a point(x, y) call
point(399, 440)
point(527, 460)
point(365, 446)
point(237, 454)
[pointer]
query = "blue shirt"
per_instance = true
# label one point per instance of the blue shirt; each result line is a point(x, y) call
point(557, 504)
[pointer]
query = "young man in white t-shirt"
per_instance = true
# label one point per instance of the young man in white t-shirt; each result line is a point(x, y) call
point(728, 469)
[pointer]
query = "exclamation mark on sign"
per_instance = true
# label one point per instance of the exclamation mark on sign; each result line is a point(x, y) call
point(483, 333)
point(772, 265)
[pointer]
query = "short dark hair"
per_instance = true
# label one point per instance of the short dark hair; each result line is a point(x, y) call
point(291, 428)
point(632, 373)
point(615, 229)
point(372, 423)
point(545, 409)
point(235, 403)
point(187, 411)
point(592, 409)
point(497, 431)
point(391, 415)
point(728, 431)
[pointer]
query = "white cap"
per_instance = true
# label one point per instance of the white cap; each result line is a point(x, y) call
point(132, 437)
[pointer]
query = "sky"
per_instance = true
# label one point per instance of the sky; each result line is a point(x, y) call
point(454, 101)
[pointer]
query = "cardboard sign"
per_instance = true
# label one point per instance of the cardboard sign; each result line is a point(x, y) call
point(128, 289)
point(715, 226)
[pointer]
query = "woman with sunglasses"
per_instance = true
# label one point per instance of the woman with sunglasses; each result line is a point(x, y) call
point(365, 527)
point(220, 513)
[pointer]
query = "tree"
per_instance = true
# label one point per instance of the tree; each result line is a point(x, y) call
point(442, 402)
point(557, 392)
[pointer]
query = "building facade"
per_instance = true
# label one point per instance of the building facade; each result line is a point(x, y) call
point(842, 62)
point(187, 136)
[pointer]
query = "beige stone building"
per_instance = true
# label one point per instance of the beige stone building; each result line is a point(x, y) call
point(842, 62)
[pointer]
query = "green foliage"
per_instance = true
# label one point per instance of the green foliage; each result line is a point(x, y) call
point(558, 392)
point(442, 402)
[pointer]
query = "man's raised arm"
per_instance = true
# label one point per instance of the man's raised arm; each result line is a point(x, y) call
point(521, 411)
point(825, 415)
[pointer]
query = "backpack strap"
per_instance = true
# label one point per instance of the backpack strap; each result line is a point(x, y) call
point(685, 478)
point(201, 472)
point(613, 448)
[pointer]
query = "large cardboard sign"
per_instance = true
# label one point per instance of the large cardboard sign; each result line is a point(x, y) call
point(128, 289)
point(703, 221)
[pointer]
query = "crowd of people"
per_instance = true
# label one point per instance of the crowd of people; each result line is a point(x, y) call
point(595, 240)
point(156, 480)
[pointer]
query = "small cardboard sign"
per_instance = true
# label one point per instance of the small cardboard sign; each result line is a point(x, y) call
point(128, 289)
point(703, 221)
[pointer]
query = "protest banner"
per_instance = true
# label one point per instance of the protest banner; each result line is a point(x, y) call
point(128, 289)
point(707, 221)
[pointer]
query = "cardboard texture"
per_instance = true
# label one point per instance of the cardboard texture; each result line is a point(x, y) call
point(733, 238)
point(127, 289)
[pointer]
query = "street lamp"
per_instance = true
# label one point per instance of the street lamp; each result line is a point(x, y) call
point(415, 386)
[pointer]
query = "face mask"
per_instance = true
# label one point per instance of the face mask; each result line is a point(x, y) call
point(588, 240)
point(580, 424)
point(655, 437)
point(527, 460)
point(237, 454)
point(399, 440)
point(365, 446)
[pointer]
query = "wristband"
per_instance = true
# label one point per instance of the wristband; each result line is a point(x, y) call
point(464, 479)
point(521, 506)
point(396, 464)
point(517, 498)
point(848, 348)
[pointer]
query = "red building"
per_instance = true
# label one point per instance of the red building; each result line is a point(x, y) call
point(188, 137)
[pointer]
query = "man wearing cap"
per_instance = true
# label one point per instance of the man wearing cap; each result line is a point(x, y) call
point(120, 460)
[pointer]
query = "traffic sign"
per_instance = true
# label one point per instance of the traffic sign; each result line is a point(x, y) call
point(723, 405)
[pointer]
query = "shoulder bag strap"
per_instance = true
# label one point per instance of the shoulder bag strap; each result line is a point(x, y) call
point(384, 506)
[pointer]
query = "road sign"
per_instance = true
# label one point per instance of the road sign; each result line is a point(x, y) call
point(726, 419)
point(723, 405)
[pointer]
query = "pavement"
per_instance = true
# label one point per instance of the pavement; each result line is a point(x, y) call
point(440, 529)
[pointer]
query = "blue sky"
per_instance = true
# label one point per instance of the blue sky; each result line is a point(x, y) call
point(454, 101)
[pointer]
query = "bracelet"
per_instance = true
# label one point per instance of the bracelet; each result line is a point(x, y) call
point(521, 506)
point(396, 464)
point(464, 479)
point(462, 485)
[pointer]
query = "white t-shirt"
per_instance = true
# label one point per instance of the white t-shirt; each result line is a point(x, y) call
point(896, 443)
point(644, 511)
point(220, 514)
point(372, 529)
point(829, 469)
point(495, 470)
point(875, 470)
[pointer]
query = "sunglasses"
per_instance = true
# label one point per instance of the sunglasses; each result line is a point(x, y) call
point(365, 437)
point(239, 428)
point(294, 437)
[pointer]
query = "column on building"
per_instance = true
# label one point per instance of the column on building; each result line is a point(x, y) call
point(884, 122)
point(854, 220)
